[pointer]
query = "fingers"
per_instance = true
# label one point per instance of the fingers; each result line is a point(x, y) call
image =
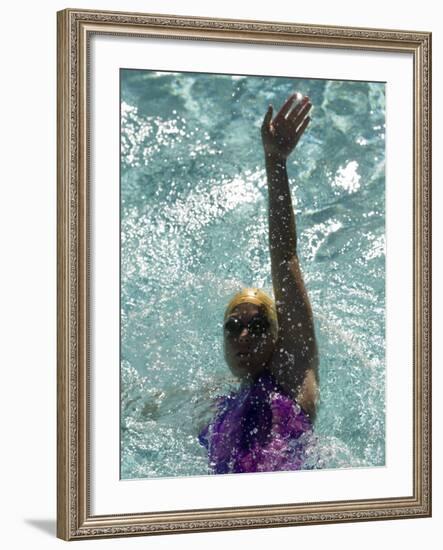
point(287, 106)
point(302, 127)
point(282, 134)
point(296, 117)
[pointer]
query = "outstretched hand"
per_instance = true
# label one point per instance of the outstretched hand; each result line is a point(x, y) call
point(281, 135)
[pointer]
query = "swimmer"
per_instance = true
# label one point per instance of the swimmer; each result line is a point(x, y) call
point(270, 347)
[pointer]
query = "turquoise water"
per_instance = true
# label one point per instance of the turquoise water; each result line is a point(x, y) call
point(194, 231)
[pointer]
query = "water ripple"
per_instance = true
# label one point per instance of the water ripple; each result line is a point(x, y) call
point(194, 230)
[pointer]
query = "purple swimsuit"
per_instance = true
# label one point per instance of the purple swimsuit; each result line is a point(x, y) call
point(257, 429)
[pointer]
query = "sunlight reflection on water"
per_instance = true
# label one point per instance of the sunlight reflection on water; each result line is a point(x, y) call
point(194, 231)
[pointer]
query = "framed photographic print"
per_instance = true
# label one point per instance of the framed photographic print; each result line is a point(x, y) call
point(244, 247)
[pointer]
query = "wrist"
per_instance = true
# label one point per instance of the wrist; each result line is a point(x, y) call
point(274, 159)
point(275, 163)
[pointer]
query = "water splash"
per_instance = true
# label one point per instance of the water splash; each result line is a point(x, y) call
point(194, 231)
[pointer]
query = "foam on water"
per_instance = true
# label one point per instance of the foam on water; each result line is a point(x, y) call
point(194, 230)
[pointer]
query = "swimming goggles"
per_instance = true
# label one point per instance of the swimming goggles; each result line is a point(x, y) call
point(257, 325)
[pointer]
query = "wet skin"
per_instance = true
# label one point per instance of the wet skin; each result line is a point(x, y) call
point(292, 355)
point(248, 354)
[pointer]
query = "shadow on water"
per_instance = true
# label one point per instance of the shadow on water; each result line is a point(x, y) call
point(48, 526)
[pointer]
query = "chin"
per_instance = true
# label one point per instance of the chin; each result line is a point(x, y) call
point(245, 369)
point(247, 366)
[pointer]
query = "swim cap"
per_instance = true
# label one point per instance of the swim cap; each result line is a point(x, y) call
point(258, 297)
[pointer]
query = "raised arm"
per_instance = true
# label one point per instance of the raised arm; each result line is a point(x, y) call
point(295, 361)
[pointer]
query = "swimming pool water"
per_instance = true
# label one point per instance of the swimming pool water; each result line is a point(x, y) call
point(194, 231)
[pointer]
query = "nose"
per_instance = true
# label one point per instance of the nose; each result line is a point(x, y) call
point(243, 334)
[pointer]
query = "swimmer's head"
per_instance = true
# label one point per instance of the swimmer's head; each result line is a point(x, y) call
point(250, 332)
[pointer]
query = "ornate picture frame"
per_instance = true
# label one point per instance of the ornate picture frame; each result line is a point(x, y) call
point(76, 518)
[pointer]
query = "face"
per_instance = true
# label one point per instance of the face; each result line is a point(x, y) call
point(248, 341)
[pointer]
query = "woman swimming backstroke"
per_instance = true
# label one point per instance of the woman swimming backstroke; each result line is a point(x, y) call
point(270, 347)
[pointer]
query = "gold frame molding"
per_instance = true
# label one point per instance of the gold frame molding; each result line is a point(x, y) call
point(75, 27)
